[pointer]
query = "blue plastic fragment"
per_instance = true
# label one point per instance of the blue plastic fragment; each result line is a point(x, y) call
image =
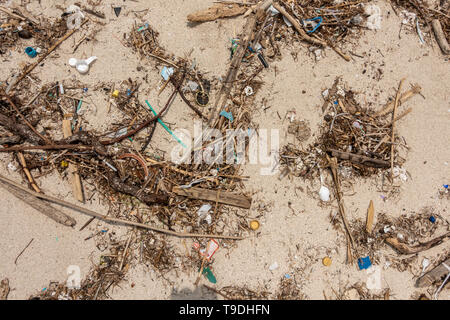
point(128, 92)
point(432, 219)
point(287, 276)
point(319, 19)
point(446, 186)
point(85, 89)
point(31, 52)
point(227, 115)
point(166, 73)
point(364, 263)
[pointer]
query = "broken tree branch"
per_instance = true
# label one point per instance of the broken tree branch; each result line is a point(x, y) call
point(405, 249)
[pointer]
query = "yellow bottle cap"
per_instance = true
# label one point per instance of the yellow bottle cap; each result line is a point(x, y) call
point(254, 225)
point(326, 261)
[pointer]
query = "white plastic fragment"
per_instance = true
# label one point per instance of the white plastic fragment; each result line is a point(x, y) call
point(248, 91)
point(324, 193)
point(12, 167)
point(166, 73)
point(273, 266)
point(76, 17)
point(82, 65)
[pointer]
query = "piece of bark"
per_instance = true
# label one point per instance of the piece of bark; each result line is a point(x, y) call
point(4, 289)
point(405, 249)
point(40, 205)
point(440, 36)
point(224, 197)
point(73, 168)
point(434, 275)
point(359, 159)
point(217, 11)
point(370, 216)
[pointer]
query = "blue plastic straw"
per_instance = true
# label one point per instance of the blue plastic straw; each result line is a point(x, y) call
point(164, 126)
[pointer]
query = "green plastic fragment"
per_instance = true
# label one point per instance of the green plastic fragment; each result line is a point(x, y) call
point(209, 275)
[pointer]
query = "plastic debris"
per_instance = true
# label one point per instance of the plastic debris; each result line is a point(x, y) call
point(432, 219)
point(12, 167)
point(248, 91)
point(326, 261)
point(425, 264)
point(76, 17)
point(145, 26)
point(117, 11)
point(209, 275)
point(324, 193)
point(115, 93)
point(203, 213)
point(164, 125)
point(31, 52)
point(227, 115)
point(254, 225)
point(82, 65)
point(273, 266)
point(166, 73)
point(212, 246)
point(191, 86)
point(314, 23)
point(364, 263)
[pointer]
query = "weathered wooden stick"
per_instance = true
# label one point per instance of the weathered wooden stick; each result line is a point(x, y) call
point(48, 147)
point(30, 178)
point(12, 14)
point(114, 220)
point(440, 36)
point(397, 97)
point(333, 167)
point(229, 198)
point(39, 205)
point(217, 11)
point(73, 168)
point(4, 289)
point(359, 159)
point(436, 274)
point(298, 27)
point(404, 113)
point(415, 89)
point(405, 249)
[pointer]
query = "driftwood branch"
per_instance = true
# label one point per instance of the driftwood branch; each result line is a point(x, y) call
point(405, 249)
point(114, 220)
point(350, 241)
point(217, 11)
point(359, 159)
point(440, 36)
point(39, 205)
